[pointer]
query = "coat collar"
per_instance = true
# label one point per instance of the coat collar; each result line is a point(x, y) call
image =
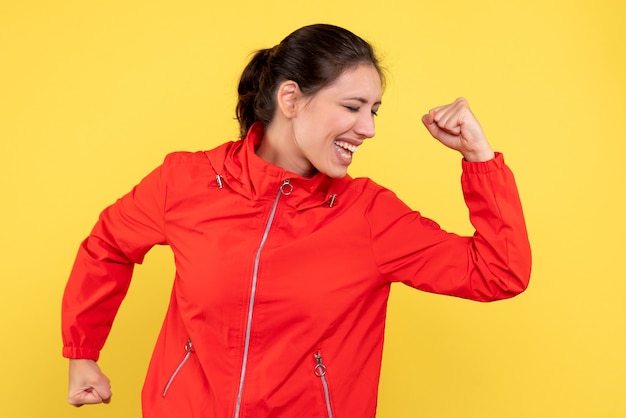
point(248, 174)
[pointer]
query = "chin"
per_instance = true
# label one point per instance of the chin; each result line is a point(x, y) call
point(336, 173)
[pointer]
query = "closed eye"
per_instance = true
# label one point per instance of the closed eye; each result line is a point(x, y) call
point(356, 109)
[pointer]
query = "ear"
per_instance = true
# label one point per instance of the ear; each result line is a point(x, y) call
point(287, 97)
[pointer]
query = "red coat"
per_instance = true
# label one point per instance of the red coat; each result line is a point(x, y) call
point(278, 305)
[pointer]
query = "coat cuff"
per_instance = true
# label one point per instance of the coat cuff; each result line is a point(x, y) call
point(81, 353)
point(496, 163)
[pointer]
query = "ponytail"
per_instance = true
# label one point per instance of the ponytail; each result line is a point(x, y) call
point(250, 85)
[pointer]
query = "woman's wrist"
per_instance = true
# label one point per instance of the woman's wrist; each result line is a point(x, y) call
point(479, 155)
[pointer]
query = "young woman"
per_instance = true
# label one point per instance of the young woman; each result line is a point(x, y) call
point(283, 261)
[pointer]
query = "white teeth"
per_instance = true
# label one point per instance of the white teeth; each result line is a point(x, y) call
point(345, 145)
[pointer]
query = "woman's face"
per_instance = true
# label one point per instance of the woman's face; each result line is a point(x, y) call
point(330, 125)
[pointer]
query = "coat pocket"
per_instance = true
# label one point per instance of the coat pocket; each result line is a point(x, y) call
point(320, 371)
point(188, 352)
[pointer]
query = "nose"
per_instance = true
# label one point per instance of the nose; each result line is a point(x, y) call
point(365, 125)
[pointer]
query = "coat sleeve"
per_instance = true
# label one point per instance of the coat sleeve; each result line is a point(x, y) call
point(492, 264)
point(102, 270)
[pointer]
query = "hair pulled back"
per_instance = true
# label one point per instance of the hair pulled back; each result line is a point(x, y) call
point(313, 56)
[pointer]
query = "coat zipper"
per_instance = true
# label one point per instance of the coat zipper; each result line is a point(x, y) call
point(188, 351)
point(320, 371)
point(285, 189)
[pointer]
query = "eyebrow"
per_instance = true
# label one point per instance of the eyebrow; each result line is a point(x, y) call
point(363, 100)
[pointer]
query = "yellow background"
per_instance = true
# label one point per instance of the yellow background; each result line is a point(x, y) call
point(93, 94)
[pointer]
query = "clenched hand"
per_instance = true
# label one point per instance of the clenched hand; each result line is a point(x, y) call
point(87, 384)
point(455, 126)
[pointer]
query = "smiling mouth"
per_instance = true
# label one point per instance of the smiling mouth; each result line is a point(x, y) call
point(348, 147)
point(344, 151)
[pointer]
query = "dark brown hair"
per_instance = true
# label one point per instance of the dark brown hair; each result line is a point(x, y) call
point(313, 56)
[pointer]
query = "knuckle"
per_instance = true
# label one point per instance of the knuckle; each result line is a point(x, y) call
point(74, 402)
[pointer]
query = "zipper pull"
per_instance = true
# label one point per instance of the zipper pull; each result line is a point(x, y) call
point(320, 368)
point(189, 346)
point(286, 188)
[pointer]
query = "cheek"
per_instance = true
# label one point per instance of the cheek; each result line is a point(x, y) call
point(321, 127)
point(339, 123)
